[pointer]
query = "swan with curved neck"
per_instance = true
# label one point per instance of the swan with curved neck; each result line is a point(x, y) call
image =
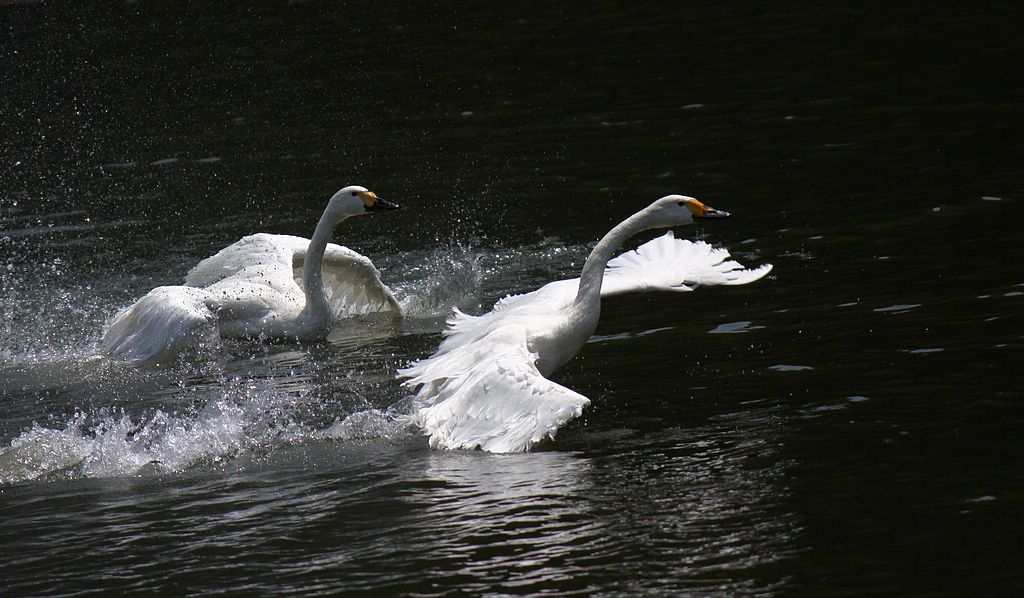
point(249, 289)
point(582, 318)
point(486, 387)
point(305, 317)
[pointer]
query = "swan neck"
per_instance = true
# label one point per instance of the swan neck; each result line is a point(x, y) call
point(593, 269)
point(312, 267)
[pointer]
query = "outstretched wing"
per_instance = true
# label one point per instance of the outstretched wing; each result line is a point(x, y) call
point(490, 395)
point(669, 264)
point(261, 249)
point(662, 264)
point(160, 325)
point(352, 283)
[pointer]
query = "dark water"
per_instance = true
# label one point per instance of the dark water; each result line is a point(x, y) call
point(851, 425)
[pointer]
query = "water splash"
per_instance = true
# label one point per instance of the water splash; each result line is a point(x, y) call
point(247, 417)
point(364, 425)
point(212, 408)
point(51, 308)
point(433, 282)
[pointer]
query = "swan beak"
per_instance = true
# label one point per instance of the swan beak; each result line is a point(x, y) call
point(703, 212)
point(712, 214)
point(380, 204)
point(372, 202)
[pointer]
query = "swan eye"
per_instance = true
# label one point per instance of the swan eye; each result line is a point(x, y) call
point(354, 194)
point(682, 203)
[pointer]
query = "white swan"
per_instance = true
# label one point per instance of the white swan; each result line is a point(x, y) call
point(486, 385)
point(250, 288)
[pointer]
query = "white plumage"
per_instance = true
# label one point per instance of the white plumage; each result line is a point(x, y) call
point(492, 396)
point(351, 282)
point(486, 385)
point(669, 264)
point(273, 286)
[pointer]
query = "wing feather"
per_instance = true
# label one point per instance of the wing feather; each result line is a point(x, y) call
point(160, 325)
point(662, 264)
point(351, 281)
point(261, 249)
point(669, 264)
point(491, 396)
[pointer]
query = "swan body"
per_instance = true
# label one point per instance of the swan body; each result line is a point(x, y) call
point(486, 386)
point(271, 286)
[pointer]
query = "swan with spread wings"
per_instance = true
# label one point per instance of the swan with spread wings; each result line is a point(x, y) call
point(486, 386)
point(264, 285)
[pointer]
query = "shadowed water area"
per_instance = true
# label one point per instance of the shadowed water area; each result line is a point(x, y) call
point(850, 425)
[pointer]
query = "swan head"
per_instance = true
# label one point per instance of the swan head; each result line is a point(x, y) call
point(356, 201)
point(674, 210)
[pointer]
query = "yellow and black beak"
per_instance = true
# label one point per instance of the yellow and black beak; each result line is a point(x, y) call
point(374, 203)
point(703, 212)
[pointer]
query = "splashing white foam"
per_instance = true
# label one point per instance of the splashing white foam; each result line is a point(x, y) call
point(247, 417)
point(50, 325)
point(364, 425)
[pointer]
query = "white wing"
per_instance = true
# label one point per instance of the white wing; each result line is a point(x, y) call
point(661, 264)
point(482, 387)
point(669, 264)
point(160, 325)
point(352, 283)
point(254, 250)
point(513, 309)
point(492, 396)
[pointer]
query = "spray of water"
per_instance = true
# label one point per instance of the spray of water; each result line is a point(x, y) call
point(247, 417)
point(213, 408)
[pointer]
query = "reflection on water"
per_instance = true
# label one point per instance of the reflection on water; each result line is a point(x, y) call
point(536, 509)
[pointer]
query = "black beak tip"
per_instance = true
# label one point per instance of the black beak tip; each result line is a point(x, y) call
point(713, 214)
point(380, 204)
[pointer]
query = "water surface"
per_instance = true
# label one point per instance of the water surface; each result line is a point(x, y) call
point(849, 425)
